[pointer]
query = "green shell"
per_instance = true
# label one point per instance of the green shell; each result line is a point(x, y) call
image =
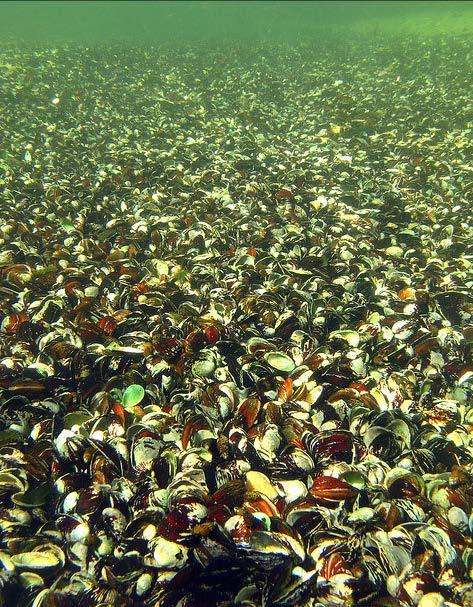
point(133, 395)
point(280, 361)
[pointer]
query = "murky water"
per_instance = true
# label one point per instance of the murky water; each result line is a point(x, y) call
point(236, 310)
point(143, 22)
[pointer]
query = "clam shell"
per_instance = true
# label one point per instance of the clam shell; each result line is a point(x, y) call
point(280, 362)
point(37, 561)
point(169, 555)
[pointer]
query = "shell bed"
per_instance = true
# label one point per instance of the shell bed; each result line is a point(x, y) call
point(236, 326)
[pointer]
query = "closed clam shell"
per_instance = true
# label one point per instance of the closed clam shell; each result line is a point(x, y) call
point(257, 481)
point(431, 599)
point(351, 337)
point(292, 490)
point(203, 368)
point(133, 395)
point(394, 251)
point(143, 584)
point(29, 578)
point(169, 555)
point(458, 518)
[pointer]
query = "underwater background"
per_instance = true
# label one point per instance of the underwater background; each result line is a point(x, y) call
point(142, 22)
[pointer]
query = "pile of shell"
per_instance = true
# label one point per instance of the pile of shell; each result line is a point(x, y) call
point(236, 327)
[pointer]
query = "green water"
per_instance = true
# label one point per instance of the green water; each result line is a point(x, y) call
point(95, 22)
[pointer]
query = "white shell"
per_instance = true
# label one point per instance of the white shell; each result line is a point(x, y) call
point(432, 599)
point(169, 555)
point(70, 502)
point(292, 490)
